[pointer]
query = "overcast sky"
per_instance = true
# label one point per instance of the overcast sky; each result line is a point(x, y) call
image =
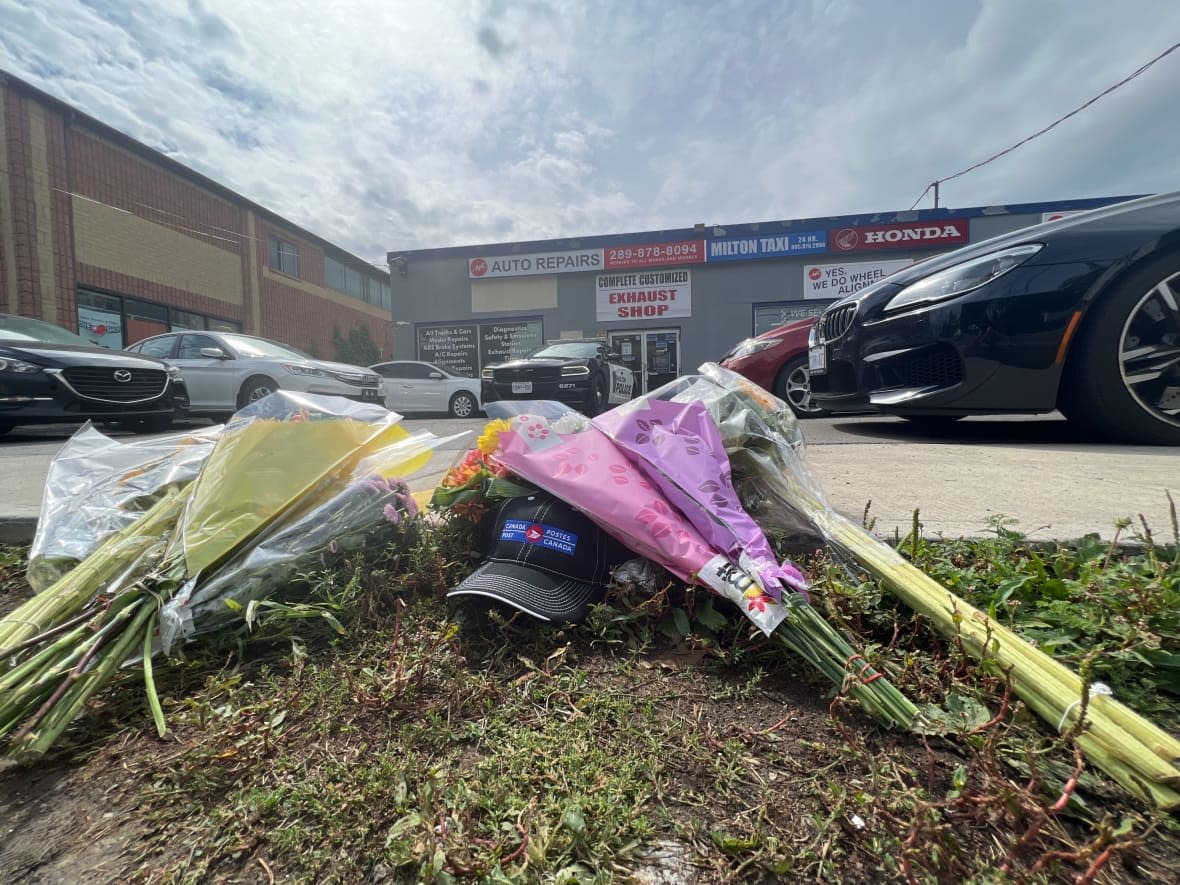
point(392, 124)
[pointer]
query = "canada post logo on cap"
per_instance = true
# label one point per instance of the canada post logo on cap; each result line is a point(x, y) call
point(524, 531)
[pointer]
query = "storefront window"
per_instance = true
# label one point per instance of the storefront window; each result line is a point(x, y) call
point(181, 320)
point(144, 319)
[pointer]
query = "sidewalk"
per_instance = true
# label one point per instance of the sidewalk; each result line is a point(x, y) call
point(1051, 492)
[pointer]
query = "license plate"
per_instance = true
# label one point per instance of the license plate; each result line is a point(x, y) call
point(522, 386)
point(817, 359)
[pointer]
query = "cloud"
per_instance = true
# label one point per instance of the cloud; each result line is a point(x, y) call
point(394, 126)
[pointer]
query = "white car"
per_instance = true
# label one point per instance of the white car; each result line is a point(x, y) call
point(225, 370)
point(413, 386)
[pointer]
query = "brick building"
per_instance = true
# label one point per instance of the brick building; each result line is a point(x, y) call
point(107, 237)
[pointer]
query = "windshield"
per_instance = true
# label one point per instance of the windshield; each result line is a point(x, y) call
point(25, 329)
point(578, 350)
point(255, 348)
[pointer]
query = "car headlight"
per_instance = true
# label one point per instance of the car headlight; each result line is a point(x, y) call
point(962, 278)
point(299, 369)
point(11, 365)
point(751, 346)
point(486, 374)
point(570, 371)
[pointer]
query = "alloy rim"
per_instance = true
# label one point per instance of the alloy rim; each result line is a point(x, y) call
point(1149, 351)
point(799, 391)
point(463, 406)
point(259, 392)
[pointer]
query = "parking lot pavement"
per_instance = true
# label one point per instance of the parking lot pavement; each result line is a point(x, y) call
point(1030, 471)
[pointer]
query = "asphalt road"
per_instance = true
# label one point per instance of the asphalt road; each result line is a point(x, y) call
point(1033, 472)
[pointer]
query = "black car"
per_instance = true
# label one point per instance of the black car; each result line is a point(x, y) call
point(51, 376)
point(583, 374)
point(1081, 315)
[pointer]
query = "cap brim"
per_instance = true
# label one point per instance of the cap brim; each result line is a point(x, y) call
point(536, 593)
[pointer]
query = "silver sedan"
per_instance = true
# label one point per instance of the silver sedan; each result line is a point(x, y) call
point(224, 371)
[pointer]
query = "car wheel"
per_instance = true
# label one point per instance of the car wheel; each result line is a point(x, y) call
point(597, 402)
point(255, 389)
point(1122, 378)
point(462, 405)
point(793, 387)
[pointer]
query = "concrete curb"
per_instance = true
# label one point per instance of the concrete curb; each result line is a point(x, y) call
point(17, 529)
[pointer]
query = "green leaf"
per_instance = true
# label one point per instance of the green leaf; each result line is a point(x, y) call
point(331, 619)
point(710, 617)
point(573, 820)
point(960, 714)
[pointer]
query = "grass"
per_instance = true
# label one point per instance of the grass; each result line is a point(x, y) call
point(662, 737)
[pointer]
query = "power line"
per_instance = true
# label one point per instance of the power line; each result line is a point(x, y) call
point(1041, 132)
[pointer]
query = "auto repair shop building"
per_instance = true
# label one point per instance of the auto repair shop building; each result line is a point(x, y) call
point(114, 240)
point(669, 300)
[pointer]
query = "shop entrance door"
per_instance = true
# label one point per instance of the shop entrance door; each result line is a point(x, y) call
point(652, 354)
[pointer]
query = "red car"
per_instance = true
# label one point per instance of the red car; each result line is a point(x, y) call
point(777, 361)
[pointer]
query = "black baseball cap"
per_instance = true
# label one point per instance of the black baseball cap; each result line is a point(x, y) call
point(548, 560)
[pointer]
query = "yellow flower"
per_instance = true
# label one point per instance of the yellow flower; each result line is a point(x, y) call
point(489, 441)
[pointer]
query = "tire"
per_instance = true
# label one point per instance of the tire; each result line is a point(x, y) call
point(463, 405)
point(793, 387)
point(596, 404)
point(1122, 378)
point(255, 389)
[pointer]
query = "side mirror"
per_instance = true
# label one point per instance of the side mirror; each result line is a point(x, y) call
point(214, 353)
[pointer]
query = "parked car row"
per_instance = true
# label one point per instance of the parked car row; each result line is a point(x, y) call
point(49, 375)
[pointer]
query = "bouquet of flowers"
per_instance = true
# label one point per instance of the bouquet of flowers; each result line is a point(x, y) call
point(468, 487)
point(98, 486)
point(281, 464)
point(573, 459)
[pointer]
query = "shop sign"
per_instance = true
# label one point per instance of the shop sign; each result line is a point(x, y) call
point(643, 295)
point(452, 348)
point(767, 246)
point(571, 261)
point(508, 340)
point(908, 235)
point(654, 254)
point(838, 280)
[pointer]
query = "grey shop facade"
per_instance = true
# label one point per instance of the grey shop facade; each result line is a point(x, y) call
point(667, 301)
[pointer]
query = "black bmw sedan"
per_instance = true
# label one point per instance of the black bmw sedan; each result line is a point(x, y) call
point(1081, 315)
point(49, 375)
